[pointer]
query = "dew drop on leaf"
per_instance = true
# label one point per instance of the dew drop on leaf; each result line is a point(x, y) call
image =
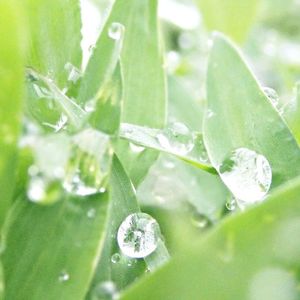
point(138, 235)
point(231, 204)
point(116, 31)
point(247, 174)
point(89, 163)
point(73, 73)
point(176, 138)
point(199, 220)
point(115, 258)
point(105, 290)
point(63, 276)
point(91, 213)
point(136, 148)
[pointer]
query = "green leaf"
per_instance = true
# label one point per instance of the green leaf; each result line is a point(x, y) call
point(51, 251)
point(253, 255)
point(292, 115)
point(11, 93)
point(107, 114)
point(143, 75)
point(229, 16)
point(241, 115)
point(54, 36)
point(123, 202)
point(147, 137)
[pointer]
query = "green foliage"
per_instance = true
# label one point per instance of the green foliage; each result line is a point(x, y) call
point(147, 126)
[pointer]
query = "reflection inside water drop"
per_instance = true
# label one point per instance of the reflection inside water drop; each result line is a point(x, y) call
point(247, 174)
point(63, 276)
point(138, 235)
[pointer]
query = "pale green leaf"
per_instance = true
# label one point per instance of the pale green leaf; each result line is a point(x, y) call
point(11, 94)
point(241, 115)
point(54, 36)
point(52, 251)
point(229, 16)
point(253, 255)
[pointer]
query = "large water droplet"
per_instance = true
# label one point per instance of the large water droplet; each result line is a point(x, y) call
point(63, 276)
point(89, 163)
point(199, 149)
point(247, 174)
point(116, 31)
point(176, 138)
point(105, 290)
point(138, 235)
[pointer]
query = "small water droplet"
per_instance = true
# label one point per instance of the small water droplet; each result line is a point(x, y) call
point(63, 276)
point(136, 148)
point(176, 138)
point(199, 148)
point(131, 262)
point(247, 174)
point(116, 31)
point(91, 213)
point(89, 163)
point(73, 73)
point(210, 114)
point(90, 106)
point(200, 220)
point(43, 190)
point(115, 258)
point(272, 96)
point(105, 290)
point(231, 204)
point(138, 235)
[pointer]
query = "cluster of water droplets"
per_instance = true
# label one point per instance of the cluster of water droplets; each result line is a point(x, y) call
point(247, 174)
point(138, 235)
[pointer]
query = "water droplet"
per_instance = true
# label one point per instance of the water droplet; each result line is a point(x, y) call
point(89, 163)
point(200, 220)
point(199, 148)
point(210, 114)
point(136, 148)
point(91, 213)
point(43, 190)
point(63, 276)
point(247, 174)
point(73, 73)
point(105, 290)
point(131, 262)
point(115, 258)
point(116, 31)
point(176, 138)
point(272, 96)
point(138, 235)
point(90, 106)
point(231, 204)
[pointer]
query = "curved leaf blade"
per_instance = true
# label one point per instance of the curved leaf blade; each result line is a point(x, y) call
point(254, 244)
point(52, 251)
point(11, 94)
point(241, 115)
point(55, 37)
